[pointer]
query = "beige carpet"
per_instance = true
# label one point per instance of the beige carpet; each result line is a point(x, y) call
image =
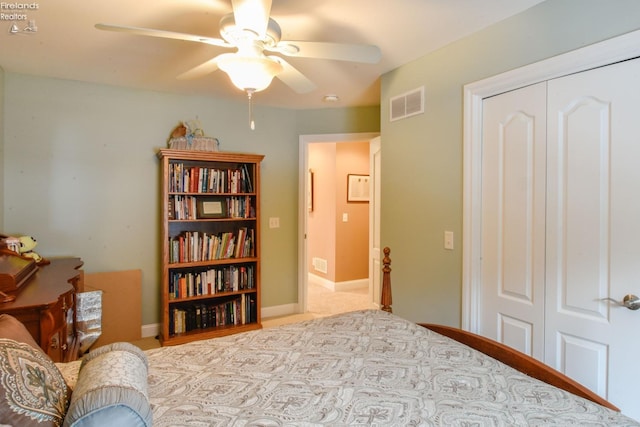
point(320, 302)
point(324, 302)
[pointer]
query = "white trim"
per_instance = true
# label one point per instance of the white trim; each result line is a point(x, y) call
point(150, 330)
point(279, 310)
point(617, 49)
point(321, 281)
point(303, 153)
point(346, 286)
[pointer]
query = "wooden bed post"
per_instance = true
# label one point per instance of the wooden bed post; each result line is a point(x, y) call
point(385, 298)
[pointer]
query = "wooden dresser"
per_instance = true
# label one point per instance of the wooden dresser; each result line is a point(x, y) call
point(47, 307)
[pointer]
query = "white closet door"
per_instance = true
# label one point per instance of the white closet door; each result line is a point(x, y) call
point(593, 230)
point(513, 214)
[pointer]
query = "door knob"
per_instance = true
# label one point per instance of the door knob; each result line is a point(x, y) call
point(630, 301)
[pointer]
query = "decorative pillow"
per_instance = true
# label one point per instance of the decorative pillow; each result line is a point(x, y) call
point(69, 371)
point(33, 392)
point(12, 328)
point(116, 346)
point(111, 389)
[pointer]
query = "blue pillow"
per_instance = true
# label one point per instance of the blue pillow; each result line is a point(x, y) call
point(111, 389)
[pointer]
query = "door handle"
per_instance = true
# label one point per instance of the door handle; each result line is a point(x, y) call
point(630, 301)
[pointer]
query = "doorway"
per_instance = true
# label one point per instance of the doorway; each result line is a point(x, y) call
point(304, 201)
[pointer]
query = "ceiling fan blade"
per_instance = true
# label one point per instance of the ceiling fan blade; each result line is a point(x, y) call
point(292, 77)
point(339, 51)
point(164, 34)
point(252, 15)
point(203, 69)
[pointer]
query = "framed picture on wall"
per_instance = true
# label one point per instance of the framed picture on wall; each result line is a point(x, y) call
point(310, 191)
point(357, 188)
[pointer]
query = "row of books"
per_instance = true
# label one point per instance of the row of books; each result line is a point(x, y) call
point(194, 246)
point(186, 207)
point(211, 281)
point(239, 311)
point(194, 179)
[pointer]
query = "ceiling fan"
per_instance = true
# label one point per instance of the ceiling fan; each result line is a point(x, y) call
point(250, 30)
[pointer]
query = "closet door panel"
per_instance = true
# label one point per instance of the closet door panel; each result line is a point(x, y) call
point(593, 256)
point(513, 206)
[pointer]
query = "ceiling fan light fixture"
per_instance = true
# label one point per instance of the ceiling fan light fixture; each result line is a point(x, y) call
point(235, 35)
point(249, 72)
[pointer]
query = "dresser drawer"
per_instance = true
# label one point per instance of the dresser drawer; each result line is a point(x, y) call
point(46, 306)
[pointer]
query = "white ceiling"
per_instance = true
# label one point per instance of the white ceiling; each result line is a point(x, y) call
point(66, 45)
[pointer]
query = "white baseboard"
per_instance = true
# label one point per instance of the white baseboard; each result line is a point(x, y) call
point(279, 310)
point(150, 330)
point(348, 285)
point(325, 283)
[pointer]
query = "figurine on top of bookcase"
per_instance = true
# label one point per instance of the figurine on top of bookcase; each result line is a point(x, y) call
point(189, 135)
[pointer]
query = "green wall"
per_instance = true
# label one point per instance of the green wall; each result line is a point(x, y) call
point(422, 155)
point(82, 177)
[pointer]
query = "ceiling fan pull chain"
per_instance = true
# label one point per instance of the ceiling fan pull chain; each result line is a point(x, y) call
point(252, 123)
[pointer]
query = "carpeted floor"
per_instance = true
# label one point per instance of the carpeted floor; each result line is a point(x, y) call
point(321, 302)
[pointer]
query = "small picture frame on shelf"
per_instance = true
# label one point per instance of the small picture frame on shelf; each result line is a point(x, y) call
point(210, 208)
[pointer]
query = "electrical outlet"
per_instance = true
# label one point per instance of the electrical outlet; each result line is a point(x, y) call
point(274, 222)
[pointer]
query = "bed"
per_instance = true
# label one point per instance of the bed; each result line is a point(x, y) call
point(361, 368)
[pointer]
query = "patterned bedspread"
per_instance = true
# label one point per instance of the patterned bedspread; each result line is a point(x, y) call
point(361, 368)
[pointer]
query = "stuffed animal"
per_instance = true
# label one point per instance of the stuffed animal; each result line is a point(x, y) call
point(179, 131)
point(27, 243)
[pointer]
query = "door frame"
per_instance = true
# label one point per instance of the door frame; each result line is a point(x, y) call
point(303, 177)
point(603, 53)
point(375, 258)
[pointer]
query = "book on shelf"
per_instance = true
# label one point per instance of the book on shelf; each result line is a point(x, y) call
point(196, 179)
point(210, 281)
point(247, 186)
point(193, 246)
point(239, 311)
point(240, 207)
point(171, 208)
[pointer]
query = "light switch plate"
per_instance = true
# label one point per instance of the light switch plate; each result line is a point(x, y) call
point(448, 240)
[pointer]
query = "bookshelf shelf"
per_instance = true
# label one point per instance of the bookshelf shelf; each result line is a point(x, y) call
point(210, 244)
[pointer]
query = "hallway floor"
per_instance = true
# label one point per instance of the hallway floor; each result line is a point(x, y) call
point(324, 302)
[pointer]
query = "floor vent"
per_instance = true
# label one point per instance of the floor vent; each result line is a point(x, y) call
point(319, 264)
point(408, 104)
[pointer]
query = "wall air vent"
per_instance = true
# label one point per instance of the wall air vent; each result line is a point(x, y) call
point(408, 104)
point(319, 264)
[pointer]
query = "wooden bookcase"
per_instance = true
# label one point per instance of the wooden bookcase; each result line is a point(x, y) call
point(210, 244)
